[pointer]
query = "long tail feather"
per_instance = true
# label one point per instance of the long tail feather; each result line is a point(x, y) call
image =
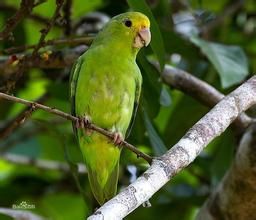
point(102, 161)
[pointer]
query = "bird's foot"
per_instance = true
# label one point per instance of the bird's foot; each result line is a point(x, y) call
point(83, 122)
point(118, 138)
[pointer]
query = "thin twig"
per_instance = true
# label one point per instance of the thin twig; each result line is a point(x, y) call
point(26, 7)
point(177, 78)
point(29, 132)
point(19, 119)
point(74, 119)
point(54, 42)
point(41, 164)
point(22, 64)
point(46, 30)
point(67, 16)
point(32, 16)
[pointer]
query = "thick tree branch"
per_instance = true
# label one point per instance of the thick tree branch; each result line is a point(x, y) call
point(200, 90)
point(55, 111)
point(180, 155)
point(234, 198)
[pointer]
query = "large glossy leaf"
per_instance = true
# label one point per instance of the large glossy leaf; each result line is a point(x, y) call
point(157, 43)
point(185, 112)
point(165, 98)
point(223, 155)
point(151, 88)
point(157, 143)
point(230, 61)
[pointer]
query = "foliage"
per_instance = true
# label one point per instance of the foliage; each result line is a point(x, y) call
point(186, 34)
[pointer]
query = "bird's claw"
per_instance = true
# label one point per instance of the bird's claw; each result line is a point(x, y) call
point(83, 122)
point(118, 138)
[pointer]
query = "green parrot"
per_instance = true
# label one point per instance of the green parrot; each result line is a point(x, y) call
point(105, 88)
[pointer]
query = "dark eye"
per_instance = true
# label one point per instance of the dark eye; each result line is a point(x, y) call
point(128, 23)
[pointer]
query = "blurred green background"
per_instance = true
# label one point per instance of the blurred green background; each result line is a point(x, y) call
point(213, 40)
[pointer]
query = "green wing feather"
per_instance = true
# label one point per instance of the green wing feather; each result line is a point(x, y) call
point(73, 85)
point(73, 82)
point(138, 83)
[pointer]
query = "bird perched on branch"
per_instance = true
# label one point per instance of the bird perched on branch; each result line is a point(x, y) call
point(105, 89)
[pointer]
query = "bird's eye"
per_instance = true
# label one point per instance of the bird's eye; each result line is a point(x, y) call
point(128, 23)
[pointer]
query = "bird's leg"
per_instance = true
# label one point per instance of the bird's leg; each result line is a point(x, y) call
point(118, 138)
point(83, 123)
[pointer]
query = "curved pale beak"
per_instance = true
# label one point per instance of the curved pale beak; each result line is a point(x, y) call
point(143, 38)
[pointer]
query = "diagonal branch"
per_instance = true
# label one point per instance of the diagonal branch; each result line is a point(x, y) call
point(67, 116)
point(35, 17)
point(67, 16)
point(181, 154)
point(21, 65)
point(198, 89)
point(26, 7)
point(45, 31)
point(11, 142)
point(18, 120)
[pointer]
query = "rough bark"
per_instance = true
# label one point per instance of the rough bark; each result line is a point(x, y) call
point(234, 198)
point(200, 90)
point(180, 155)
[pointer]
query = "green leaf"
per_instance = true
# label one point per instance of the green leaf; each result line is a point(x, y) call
point(223, 155)
point(230, 61)
point(157, 43)
point(151, 87)
point(5, 217)
point(158, 145)
point(63, 206)
point(59, 90)
point(165, 98)
point(35, 87)
point(186, 111)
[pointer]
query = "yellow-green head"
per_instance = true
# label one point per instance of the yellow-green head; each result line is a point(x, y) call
point(128, 31)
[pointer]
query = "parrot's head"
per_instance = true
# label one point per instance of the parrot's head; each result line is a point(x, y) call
point(135, 26)
point(129, 30)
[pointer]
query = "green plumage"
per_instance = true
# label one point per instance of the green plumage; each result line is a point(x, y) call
point(105, 85)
